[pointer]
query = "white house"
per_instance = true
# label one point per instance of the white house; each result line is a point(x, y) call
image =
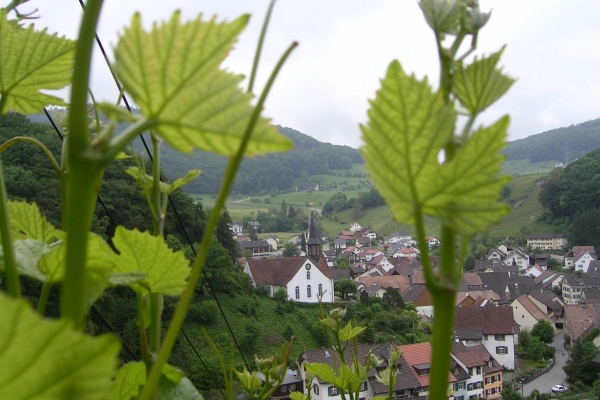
point(355, 227)
point(397, 236)
point(582, 261)
point(236, 228)
point(272, 242)
point(517, 257)
point(526, 313)
point(473, 365)
point(304, 279)
point(432, 242)
point(498, 328)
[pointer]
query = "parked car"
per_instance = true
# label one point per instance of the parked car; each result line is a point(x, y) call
point(559, 389)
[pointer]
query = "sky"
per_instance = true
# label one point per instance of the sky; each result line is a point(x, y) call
point(345, 47)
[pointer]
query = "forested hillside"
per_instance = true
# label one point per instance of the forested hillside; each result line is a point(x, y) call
point(562, 144)
point(274, 171)
point(572, 199)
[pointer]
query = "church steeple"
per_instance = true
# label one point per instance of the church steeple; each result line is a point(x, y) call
point(313, 243)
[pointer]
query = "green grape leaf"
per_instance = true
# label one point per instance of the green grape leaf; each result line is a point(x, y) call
point(173, 74)
point(146, 181)
point(349, 332)
point(324, 372)
point(101, 262)
point(408, 126)
point(298, 396)
point(469, 196)
point(443, 16)
point(166, 271)
point(27, 222)
point(28, 254)
point(132, 376)
point(249, 380)
point(31, 61)
point(480, 84)
point(48, 360)
point(116, 113)
point(125, 278)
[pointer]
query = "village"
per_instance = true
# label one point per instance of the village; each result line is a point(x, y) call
point(508, 292)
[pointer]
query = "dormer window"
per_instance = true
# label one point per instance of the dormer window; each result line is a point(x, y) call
point(490, 363)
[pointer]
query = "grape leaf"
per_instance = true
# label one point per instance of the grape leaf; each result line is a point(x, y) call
point(146, 181)
point(408, 125)
point(27, 222)
point(48, 360)
point(442, 16)
point(480, 84)
point(27, 256)
point(166, 271)
point(173, 74)
point(31, 61)
point(100, 265)
point(132, 376)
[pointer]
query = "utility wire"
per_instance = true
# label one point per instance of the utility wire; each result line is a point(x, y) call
point(118, 84)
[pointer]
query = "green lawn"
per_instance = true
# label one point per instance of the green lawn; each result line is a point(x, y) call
point(525, 167)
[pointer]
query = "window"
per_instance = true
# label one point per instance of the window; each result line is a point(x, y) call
point(459, 386)
point(316, 388)
point(471, 371)
point(501, 350)
point(500, 338)
point(283, 389)
point(333, 391)
point(308, 291)
point(292, 387)
point(485, 337)
point(459, 397)
point(320, 290)
point(297, 292)
point(470, 386)
point(363, 386)
point(489, 391)
point(490, 363)
point(478, 370)
point(308, 275)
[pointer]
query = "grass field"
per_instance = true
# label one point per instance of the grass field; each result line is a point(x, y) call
point(525, 167)
point(521, 221)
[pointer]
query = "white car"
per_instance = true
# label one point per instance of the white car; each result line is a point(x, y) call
point(559, 389)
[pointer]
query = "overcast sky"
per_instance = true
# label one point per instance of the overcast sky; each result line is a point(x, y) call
point(553, 49)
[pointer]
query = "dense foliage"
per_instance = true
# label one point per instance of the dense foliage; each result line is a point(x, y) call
point(572, 198)
point(273, 171)
point(580, 366)
point(562, 144)
point(340, 201)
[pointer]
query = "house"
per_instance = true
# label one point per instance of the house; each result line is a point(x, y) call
point(397, 236)
point(492, 373)
point(241, 239)
point(432, 242)
point(304, 279)
point(526, 313)
point(497, 326)
point(258, 248)
point(551, 304)
point(355, 227)
point(363, 241)
point(372, 253)
point(418, 360)
point(549, 279)
point(547, 241)
point(370, 233)
point(410, 252)
point(583, 260)
point(373, 290)
point(517, 257)
point(421, 297)
point(380, 261)
point(573, 285)
point(580, 319)
point(309, 186)
point(253, 224)
point(473, 364)
point(339, 244)
point(496, 254)
point(397, 282)
point(272, 242)
point(291, 383)
point(236, 228)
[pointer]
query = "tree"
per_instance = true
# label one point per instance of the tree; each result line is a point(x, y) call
point(225, 237)
point(252, 233)
point(283, 208)
point(536, 349)
point(364, 297)
point(290, 250)
point(508, 393)
point(543, 331)
point(342, 263)
point(392, 298)
point(345, 286)
point(302, 242)
point(580, 366)
point(291, 212)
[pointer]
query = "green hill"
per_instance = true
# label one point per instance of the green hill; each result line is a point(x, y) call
point(563, 144)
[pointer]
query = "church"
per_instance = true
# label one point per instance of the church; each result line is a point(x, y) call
point(306, 279)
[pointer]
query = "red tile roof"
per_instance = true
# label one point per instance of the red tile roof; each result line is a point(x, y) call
point(420, 353)
point(495, 320)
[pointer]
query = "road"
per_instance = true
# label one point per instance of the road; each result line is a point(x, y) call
point(556, 375)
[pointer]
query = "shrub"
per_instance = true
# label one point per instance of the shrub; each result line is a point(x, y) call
point(204, 312)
